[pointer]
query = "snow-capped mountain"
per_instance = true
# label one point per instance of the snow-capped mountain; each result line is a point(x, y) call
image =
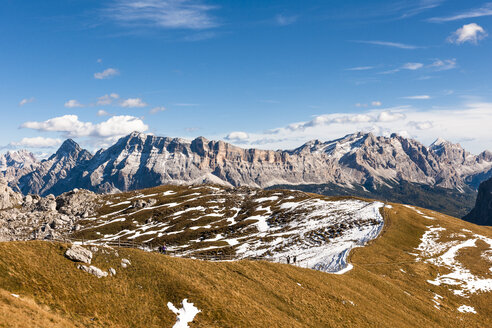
point(16, 160)
point(140, 161)
point(53, 174)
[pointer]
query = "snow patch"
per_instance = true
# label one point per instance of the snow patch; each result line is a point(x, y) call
point(264, 199)
point(443, 254)
point(184, 315)
point(467, 309)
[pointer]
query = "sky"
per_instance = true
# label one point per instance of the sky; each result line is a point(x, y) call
point(262, 74)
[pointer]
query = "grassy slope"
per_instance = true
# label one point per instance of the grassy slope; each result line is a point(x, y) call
point(240, 294)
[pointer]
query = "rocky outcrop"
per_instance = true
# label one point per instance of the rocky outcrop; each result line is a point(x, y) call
point(79, 254)
point(93, 270)
point(482, 212)
point(48, 217)
point(140, 161)
point(8, 198)
point(76, 203)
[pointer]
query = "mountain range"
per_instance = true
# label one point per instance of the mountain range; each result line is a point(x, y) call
point(359, 162)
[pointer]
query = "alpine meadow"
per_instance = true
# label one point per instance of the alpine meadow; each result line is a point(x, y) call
point(278, 163)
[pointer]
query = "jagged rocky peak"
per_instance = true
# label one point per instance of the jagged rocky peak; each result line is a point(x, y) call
point(71, 149)
point(449, 152)
point(485, 156)
point(333, 147)
point(17, 159)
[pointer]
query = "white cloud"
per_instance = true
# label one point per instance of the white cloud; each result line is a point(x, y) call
point(175, 14)
point(486, 10)
point(391, 44)
point(99, 61)
point(133, 102)
point(468, 33)
point(360, 68)
point(375, 103)
point(418, 97)
point(454, 124)
point(284, 20)
point(26, 101)
point(37, 142)
point(102, 112)
point(107, 99)
point(421, 125)
point(443, 65)
point(237, 135)
point(412, 66)
point(158, 109)
point(407, 66)
point(388, 116)
point(71, 126)
point(106, 74)
point(72, 103)
point(416, 7)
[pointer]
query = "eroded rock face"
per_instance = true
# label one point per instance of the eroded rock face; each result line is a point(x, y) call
point(76, 202)
point(79, 254)
point(50, 176)
point(140, 161)
point(43, 217)
point(482, 213)
point(8, 198)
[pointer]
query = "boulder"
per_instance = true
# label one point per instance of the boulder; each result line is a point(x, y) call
point(112, 271)
point(93, 270)
point(125, 263)
point(47, 204)
point(79, 254)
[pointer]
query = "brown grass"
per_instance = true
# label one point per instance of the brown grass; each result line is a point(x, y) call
point(244, 293)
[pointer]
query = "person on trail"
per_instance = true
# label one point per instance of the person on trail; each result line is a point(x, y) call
point(288, 259)
point(294, 260)
point(164, 248)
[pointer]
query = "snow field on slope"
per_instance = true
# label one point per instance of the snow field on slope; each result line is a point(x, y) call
point(319, 233)
point(444, 254)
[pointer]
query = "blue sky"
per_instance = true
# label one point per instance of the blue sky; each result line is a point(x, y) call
point(266, 74)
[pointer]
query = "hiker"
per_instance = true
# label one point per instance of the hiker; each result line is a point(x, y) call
point(295, 260)
point(163, 249)
point(288, 259)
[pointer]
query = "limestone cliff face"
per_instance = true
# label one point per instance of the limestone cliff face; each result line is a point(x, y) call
point(139, 161)
point(48, 173)
point(482, 213)
point(8, 198)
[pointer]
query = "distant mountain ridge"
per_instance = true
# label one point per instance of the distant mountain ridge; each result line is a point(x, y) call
point(139, 161)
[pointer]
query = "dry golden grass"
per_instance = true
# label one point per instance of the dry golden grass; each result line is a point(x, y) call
point(24, 312)
point(376, 293)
